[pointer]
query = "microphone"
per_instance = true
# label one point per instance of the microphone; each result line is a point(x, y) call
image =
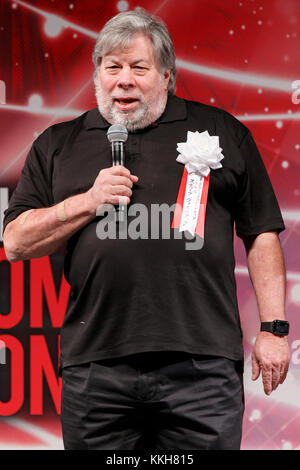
point(117, 134)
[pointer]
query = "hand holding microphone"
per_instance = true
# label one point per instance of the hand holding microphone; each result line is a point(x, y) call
point(114, 185)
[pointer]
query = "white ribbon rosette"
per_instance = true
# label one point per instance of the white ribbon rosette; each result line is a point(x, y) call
point(200, 153)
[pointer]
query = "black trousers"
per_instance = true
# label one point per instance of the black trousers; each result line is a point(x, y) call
point(153, 401)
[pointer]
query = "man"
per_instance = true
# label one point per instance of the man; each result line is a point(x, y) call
point(151, 346)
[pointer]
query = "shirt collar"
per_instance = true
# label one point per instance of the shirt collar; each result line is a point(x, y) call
point(176, 110)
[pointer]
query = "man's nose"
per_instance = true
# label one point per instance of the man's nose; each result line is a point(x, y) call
point(126, 78)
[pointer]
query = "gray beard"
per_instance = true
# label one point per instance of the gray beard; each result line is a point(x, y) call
point(132, 120)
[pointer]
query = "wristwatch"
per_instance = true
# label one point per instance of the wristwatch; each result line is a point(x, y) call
point(277, 327)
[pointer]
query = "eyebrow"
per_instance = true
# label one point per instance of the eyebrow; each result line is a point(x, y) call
point(116, 60)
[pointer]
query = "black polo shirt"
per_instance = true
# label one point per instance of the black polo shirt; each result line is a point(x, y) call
point(131, 294)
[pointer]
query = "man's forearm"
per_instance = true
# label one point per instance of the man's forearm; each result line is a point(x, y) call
point(268, 275)
point(41, 232)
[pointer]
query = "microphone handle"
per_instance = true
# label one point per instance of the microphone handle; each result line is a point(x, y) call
point(118, 158)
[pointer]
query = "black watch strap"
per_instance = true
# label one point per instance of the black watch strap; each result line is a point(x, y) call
point(277, 327)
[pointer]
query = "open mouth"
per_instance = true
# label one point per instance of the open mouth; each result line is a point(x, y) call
point(126, 104)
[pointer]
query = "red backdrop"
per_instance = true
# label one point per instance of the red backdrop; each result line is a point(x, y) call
point(242, 56)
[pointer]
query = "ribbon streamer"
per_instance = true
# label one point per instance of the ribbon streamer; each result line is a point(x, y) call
point(191, 203)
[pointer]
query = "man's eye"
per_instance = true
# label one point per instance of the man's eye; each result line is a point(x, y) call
point(140, 69)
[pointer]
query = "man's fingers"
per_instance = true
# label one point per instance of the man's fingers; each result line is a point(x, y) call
point(121, 180)
point(267, 380)
point(110, 184)
point(283, 374)
point(255, 369)
point(122, 171)
point(116, 175)
point(121, 191)
point(271, 354)
point(272, 377)
point(119, 170)
point(134, 178)
point(275, 378)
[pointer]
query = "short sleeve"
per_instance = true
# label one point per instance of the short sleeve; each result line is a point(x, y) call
point(257, 209)
point(33, 190)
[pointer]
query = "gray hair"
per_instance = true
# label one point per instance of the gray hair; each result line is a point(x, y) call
point(119, 30)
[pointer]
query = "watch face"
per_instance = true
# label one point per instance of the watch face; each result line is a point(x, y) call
point(281, 327)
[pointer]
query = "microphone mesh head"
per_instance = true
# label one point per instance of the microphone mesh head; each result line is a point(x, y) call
point(117, 133)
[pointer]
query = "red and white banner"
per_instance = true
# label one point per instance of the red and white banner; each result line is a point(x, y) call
point(191, 203)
